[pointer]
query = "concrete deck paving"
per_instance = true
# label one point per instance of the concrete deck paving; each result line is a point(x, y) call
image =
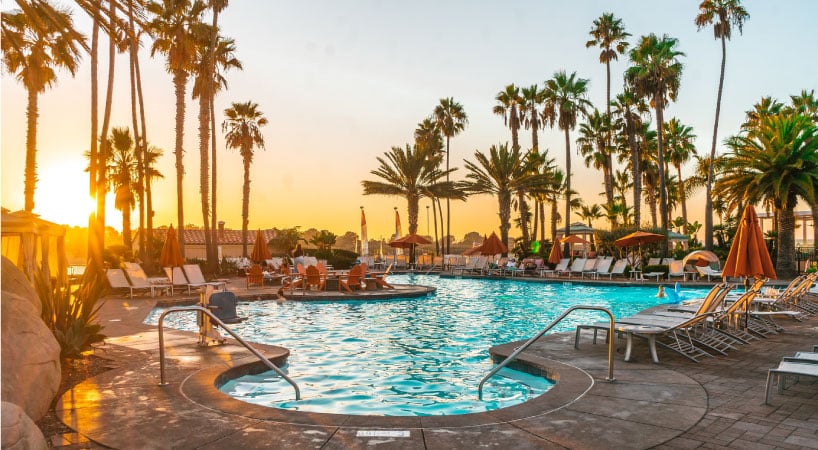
point(717, 403)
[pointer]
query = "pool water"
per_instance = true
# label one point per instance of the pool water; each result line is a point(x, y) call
point(419, 356)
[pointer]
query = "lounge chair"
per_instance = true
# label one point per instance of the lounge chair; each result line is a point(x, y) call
point(178, 278)
point(800, 369)
point(590, 267)
point(577, 267)
point(118, 281)
point(654, 261)
point(138, 279)
point(313, 278)
point(352, 280)
point(708, 272)
point(380, 280)
point(561, 267)
point(618, 269)
point(676, 268)
point(255, 276)
point(603, 267)
point(196, 278)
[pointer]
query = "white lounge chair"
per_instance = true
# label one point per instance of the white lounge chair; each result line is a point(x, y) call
point(118, 280)
point(801, 369)
point(708, 272)
point(676, 268)
point(577, 267)
point(196, 278)
point(139, 279)
point(561, 267)
point(590, 267)
point(618, 269)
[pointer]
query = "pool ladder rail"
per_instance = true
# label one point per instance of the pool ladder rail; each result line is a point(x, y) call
point(551, 325)
point(218, 322)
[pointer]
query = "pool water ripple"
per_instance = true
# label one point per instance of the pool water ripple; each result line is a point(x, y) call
point(420, 356)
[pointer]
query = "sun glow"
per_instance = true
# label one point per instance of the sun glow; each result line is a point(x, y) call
point(62, 194)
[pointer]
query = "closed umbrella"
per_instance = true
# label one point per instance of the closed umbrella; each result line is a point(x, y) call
point(260, 250)
point(748, 255)
point(171, 255)
point(556, 254)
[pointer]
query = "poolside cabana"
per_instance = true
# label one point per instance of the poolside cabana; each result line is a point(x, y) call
point(34, 245)
point(581, 230)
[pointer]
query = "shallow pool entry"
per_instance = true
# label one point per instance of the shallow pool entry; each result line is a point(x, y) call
point(411, 357)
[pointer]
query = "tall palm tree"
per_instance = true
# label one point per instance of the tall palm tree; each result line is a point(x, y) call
point(609, 35)
point(806, 103)
point(723, 15)
point(411, 174)
point(622, 183)
point(123, 167)
point(508, 105)
point(590, 213)
point(655, 74)
point(242, 132)
point(680, 150)
point(175, 29)
point(451, 119)
point(564, 102)
point(593, 145)
point(777, 164)
point(34, 51)
point(429, 140)
point(502, 172)
point(532, 99)
point(628, 111)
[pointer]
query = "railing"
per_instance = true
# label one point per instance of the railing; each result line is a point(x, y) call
point(521, 348)
point(216, 320)
point(805, 257)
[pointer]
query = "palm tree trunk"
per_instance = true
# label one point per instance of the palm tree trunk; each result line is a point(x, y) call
point(682, 196)
point(542, 221)
point(413, 203)
point(554, 214)
point(785, 258)
point(448, 243)
point(31, 149)
point(567, 189)
point(444, 238)
point(636, 173)
point(140, 163)
point(245, 207)
point(179, 81)
point(434, 219)
point(661, 153)
point(536, 220)
point(652, 203)
point(523, 216)
point(212, 251)
point(127, 240)
point(708, 205)
point(214, 229)
point(814, 208)
point(204, 165)
point(94, 247)
point(106, 120)
point(504, 199)
point(148, 256)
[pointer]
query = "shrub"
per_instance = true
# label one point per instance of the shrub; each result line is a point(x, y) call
point(657, 268)
point(337, 258)
point(72, 316)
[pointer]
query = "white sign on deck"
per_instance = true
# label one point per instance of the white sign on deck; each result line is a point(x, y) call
point(383, 433)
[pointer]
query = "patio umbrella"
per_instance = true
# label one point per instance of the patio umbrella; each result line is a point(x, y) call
point(492, 245)
point(260, 250)
point(638, 238)
point(572, 239)
point(410, 241)
point(748, 255)
point(171, 255)
point(556, 254)
point(700, 258)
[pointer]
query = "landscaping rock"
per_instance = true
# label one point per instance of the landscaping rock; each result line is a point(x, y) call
point(19, 432)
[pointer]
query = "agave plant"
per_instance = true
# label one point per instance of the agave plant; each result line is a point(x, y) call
point(72, 316)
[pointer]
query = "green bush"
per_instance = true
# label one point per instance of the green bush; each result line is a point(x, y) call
point(337, 258)
point(657, 268)
point(72, 316)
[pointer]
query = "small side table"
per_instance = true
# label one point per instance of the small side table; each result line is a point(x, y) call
point(648, 332)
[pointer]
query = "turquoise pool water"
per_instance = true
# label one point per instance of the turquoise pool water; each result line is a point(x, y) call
point(420, 356)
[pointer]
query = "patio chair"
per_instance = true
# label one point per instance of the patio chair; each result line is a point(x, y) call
point(313, 278)
point(654, 261)
point(138, 279)
point(561, 267)
point(118, 281)
point(785, 368)
point(577, 267)
point(380, 280)
point(352, 280)
point(589, 267)
point(708, 272)
point(618, 269)
point(196, 278)
point(676, 268)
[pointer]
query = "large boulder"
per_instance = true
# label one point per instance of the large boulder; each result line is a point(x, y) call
point(31, 355)
point(19, 432)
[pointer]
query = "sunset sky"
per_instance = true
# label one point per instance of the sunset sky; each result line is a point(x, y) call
point(342, 82)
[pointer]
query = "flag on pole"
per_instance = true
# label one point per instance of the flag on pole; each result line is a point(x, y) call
point(397, 231)
point(364, 239)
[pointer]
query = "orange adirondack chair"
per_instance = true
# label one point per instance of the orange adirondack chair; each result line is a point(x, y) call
point(381, 280)
point(314, 278)
point(352, 280)
point(255, 276)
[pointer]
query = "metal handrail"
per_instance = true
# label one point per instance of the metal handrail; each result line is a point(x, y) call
point(213, 317)
point(521, 348)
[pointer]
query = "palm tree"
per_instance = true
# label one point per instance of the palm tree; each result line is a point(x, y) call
point(610, 36)
point(628, 110)
point(33, 51)
point(806, 103)
point(429, 140)
point(593, 138)
point(622, 183)
point(590, 213)
point(777, 164)
point(123, 167)
point(175, 29)
point(241, 128)
point(532, 98)
point(411, 174)
point(656, 74)
point(723, 15)
point(564, 101)
point(680, 149)
point(451, 119)
point(509, 103)
point(502, 172)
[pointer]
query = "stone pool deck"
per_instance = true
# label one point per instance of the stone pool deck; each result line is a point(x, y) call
point(717, 403)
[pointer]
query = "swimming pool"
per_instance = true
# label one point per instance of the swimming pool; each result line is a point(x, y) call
point(420, 356)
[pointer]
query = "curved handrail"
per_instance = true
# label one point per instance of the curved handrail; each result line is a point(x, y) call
point(528, 343)
point(213, 317)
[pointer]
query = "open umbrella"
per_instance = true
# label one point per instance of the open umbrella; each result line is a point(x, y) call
point(748, 255)
point(410, 241)
point(260, 250)
point(700, 258)
point(556, 254)
point(572, 239)
point(171, 255)
point(638, 238)
point(492, 245)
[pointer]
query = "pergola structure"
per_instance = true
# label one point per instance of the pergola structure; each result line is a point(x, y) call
point(34, 245)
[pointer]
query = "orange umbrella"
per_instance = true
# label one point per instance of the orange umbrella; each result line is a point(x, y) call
point(638, 238)
point(556, 254)
point(573, 239)
point(260, 250)
point(171, 255)
point(493, 246)
point(410, 241)
point(748, 255)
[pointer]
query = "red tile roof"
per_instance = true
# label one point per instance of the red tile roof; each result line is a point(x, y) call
point(225, 237)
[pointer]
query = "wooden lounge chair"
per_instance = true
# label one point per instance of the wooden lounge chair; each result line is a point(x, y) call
point(380, 280)
point(352, 280)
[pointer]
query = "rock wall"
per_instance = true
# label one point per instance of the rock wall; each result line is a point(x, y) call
point(19, 432)
point(30, 354)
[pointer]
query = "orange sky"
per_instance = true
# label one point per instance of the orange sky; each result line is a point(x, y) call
point(343, 85)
